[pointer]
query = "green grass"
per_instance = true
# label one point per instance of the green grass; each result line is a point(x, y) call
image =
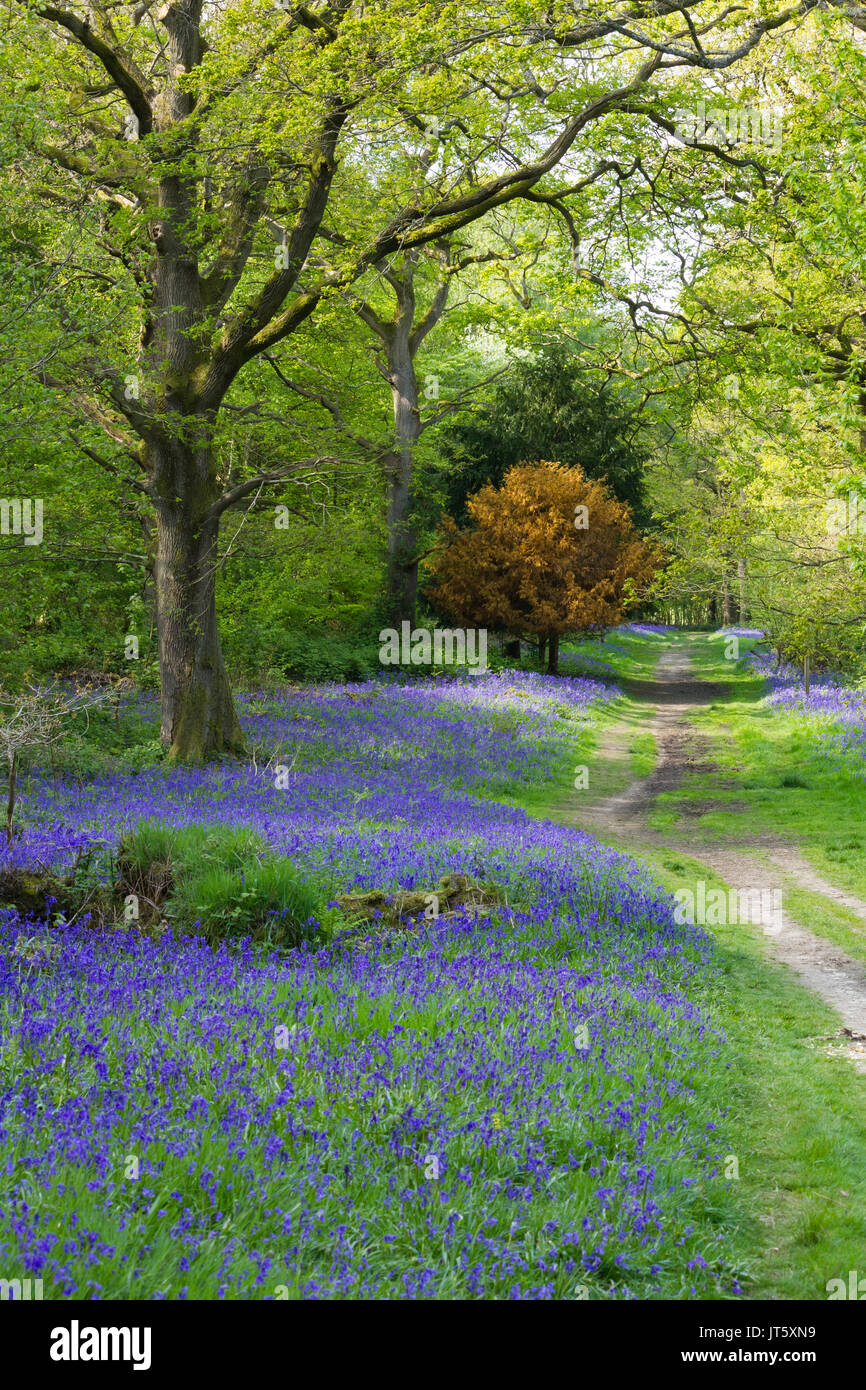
point(615, 746)
point(831, 920)
point(643, 754)
point(772, 765)
point(266, 899)
point(796, 1117)
point(220, 881)
point(628, 654)
point(184, 847)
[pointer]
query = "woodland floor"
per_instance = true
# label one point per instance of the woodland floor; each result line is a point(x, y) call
point(744, 861)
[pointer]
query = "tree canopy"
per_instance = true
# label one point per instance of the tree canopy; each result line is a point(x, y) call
point(544, 408)
point(355, 260)
point(548, 552)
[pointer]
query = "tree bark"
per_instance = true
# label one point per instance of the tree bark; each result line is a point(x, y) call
point(402, 568)
point(402, 336)
point(542, 650)
point(727, 603)
point(402, 571)
point(199, 720)
point(401, 578)
point(553, 654)
point(741, 580)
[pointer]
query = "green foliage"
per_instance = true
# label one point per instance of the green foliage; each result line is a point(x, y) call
point(266, 899)
point(119, 741)
point(183, 848)
point(219, 880)
point(298, 602)
point(545, 409)
point(324, 657)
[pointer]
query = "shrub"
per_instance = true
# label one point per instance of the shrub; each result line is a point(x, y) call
point(154, 842)
point(218, 880)
point(38, 717)
point(313, 657)
point(267, 899)
point(153, 856)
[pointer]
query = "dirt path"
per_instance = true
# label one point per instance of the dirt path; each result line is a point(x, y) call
point(759, 870)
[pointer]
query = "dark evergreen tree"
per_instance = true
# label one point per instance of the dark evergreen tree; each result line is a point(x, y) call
point(545, 410)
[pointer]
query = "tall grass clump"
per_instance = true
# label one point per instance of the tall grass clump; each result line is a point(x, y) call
point(265, 899)
point(219, 881)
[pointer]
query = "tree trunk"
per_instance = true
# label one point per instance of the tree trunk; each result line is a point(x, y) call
point(727, 603)
point(402, 576)
point(148, 595)
point(10, 798)
point(402, 572)
point(402, 337)
point(542, 650)
point(807, 675)
point(553, 654)
point(198, 714)
point(512, 648)
point(741, 580)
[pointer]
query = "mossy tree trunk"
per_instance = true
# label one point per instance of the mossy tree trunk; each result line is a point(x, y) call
point(199, 720)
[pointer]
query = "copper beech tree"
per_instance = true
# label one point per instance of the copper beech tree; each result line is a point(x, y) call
point(548, 552)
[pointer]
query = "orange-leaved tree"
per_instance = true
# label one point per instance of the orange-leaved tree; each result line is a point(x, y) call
point(549, 552)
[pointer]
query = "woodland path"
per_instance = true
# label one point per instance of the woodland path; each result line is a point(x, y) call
point(752, 865)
